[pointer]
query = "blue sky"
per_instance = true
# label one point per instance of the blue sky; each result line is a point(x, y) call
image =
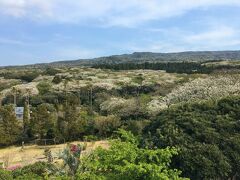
point(37, 31)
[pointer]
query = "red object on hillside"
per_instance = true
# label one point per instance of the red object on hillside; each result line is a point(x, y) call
point(74, 148)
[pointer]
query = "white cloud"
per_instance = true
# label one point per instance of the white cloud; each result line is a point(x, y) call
point(12, 7)
point(157, 46)
point(220, 37)
point(75, 52)
point(218, 34)
point(28, 8)
point(105, 12)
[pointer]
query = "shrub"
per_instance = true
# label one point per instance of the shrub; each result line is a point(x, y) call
point(51, 71)
point(90, 138)
point(125, 160)
point(57, 79)
point(136, 127)
point(36, 100)
point(39, 169)
point(44, 87)
point(5, 175)
point(29, 77)
point(29, 176)
point(106, 125)
point(25, 75)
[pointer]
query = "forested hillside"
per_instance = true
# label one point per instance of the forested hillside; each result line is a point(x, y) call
point(141, 57)
point(157, 117)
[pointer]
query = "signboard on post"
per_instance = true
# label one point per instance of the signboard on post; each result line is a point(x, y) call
point(19, 112)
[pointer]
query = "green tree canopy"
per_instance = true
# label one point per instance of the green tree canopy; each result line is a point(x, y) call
point(207, 133)
point(125, 160)
point(9, 126)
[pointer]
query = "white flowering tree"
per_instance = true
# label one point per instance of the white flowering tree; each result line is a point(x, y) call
point(212, 87)
point(113, 105)
point(122, 107)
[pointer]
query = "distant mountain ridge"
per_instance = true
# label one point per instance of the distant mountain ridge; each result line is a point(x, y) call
point(140, 57)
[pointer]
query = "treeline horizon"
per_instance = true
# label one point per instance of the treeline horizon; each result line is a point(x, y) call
point(170, 67)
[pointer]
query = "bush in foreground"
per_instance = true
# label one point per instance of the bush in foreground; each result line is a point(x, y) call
point(5, 175)
point(39, 169)
point(122, 160)
point(125, 160)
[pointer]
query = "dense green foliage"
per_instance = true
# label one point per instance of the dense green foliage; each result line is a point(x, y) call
point(44, 87)
point(39, 169)
point(200, 139)
point(5, 175)
point(57, 79)
point(125, 160)
point(9, 126)
point(170, 67)
point(208, 135)
point(51, 71)
point(36, 171)
point(42, 121)
point(73, 116)
point(27, 76)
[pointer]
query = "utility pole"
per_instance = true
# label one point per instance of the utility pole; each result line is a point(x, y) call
point(28, 102)
point(79, 92)
point(15, 98)
point(91, 98)
point(1, 98)
point(138, 100)
point(65, 90)
point(26, 115)
point(14, 91)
